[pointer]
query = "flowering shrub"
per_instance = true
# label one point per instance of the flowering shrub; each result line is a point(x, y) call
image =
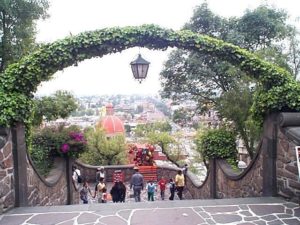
point(60, 141)
point(74, 145)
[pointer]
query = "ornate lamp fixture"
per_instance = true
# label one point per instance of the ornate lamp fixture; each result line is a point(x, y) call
point(139, 68)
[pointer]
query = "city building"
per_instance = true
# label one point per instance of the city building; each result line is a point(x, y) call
point(112, 124)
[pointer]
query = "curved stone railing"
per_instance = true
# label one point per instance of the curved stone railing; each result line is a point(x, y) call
point(55, 184)
point(55, 174)
point(226, 183)
point(22, 185)
point(273, 171)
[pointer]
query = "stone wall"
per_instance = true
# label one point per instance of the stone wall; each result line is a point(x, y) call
point(233, 184)
point(89, 172)
point(288, 181)
point(193, 190)
point(273, 171)
point(49, 191)
point(7, 191)
point(35, 190)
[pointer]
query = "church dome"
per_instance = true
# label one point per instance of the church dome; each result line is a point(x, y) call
point(112, 125)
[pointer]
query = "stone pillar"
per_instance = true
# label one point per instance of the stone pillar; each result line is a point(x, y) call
point(269, 153)
point(20, 165)
point(213, 178)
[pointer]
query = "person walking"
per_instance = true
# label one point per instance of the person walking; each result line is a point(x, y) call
point(99, 190)
point(76, 177)
point(99, 174)
point(84, 192)
point(151, 190)
point(179, 182)
point(162, 186)
point(137, 184)
point(115, 193)
point(185, 170)
point(104, 195)
point(122, 191)
point(172, 189)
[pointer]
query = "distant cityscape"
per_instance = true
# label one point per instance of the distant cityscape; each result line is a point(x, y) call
point(132, 110)
point(141, 109)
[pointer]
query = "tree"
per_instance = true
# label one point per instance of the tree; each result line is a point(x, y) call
point(142, 130)
point(183, 116)
point(17, 28)
point(203, 79)
point(236, 104)
point(263, 26)
point(294, 51)
point(102, 150)
point(60, 105)
point(170, 147)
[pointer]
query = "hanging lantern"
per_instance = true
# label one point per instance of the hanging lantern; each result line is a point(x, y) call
point(139, 68)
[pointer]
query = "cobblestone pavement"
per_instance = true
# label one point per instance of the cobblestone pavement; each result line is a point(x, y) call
point(246, 211)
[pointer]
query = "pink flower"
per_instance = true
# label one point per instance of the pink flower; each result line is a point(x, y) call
point(65, 148)
point(76, 136)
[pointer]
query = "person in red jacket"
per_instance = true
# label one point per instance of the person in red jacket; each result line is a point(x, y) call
point(162, 186)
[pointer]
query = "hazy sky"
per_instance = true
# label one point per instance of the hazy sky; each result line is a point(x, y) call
point(111, 74)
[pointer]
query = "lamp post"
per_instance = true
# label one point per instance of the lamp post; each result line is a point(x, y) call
point(139, 68)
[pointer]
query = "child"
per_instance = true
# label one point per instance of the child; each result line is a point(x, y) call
point(172, 189)
point(104, 196)
point(84, 192)
point(151, 189)
point(162, 186)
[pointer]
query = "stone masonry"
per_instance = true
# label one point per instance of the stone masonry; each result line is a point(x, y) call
point(7, 193)
point(288, 181)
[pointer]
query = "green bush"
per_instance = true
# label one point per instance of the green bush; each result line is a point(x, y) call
point(216, 143)
point(41, 159)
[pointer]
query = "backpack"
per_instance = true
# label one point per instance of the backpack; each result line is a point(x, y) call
point(79, 178)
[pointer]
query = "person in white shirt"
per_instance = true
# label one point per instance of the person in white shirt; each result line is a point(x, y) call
point(100, 174)
point(75, 175)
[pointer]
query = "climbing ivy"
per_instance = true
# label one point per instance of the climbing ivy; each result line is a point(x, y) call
point(278, 92)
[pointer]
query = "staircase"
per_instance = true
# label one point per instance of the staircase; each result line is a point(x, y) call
point(149, 173)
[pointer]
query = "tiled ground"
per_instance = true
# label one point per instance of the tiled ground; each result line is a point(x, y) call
point(271, 211)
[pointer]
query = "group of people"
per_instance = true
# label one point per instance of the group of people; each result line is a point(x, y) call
point(118, 190)
point(177, 185)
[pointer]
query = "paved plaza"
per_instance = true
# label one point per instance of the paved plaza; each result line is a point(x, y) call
point(246, 211)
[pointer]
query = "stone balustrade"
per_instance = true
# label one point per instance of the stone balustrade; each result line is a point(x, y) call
point(272, 172)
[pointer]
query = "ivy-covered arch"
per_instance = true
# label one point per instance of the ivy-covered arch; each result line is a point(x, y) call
point(280, 92)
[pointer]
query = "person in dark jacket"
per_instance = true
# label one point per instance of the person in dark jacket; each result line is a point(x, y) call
point(115, 192)
point(137, 184)
point(122, 191)
point(118, 192)
point(172, 189)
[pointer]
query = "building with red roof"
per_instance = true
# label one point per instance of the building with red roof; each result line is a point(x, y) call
point(112, 124)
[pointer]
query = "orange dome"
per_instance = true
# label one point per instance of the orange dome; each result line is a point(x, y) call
point(112, 125)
